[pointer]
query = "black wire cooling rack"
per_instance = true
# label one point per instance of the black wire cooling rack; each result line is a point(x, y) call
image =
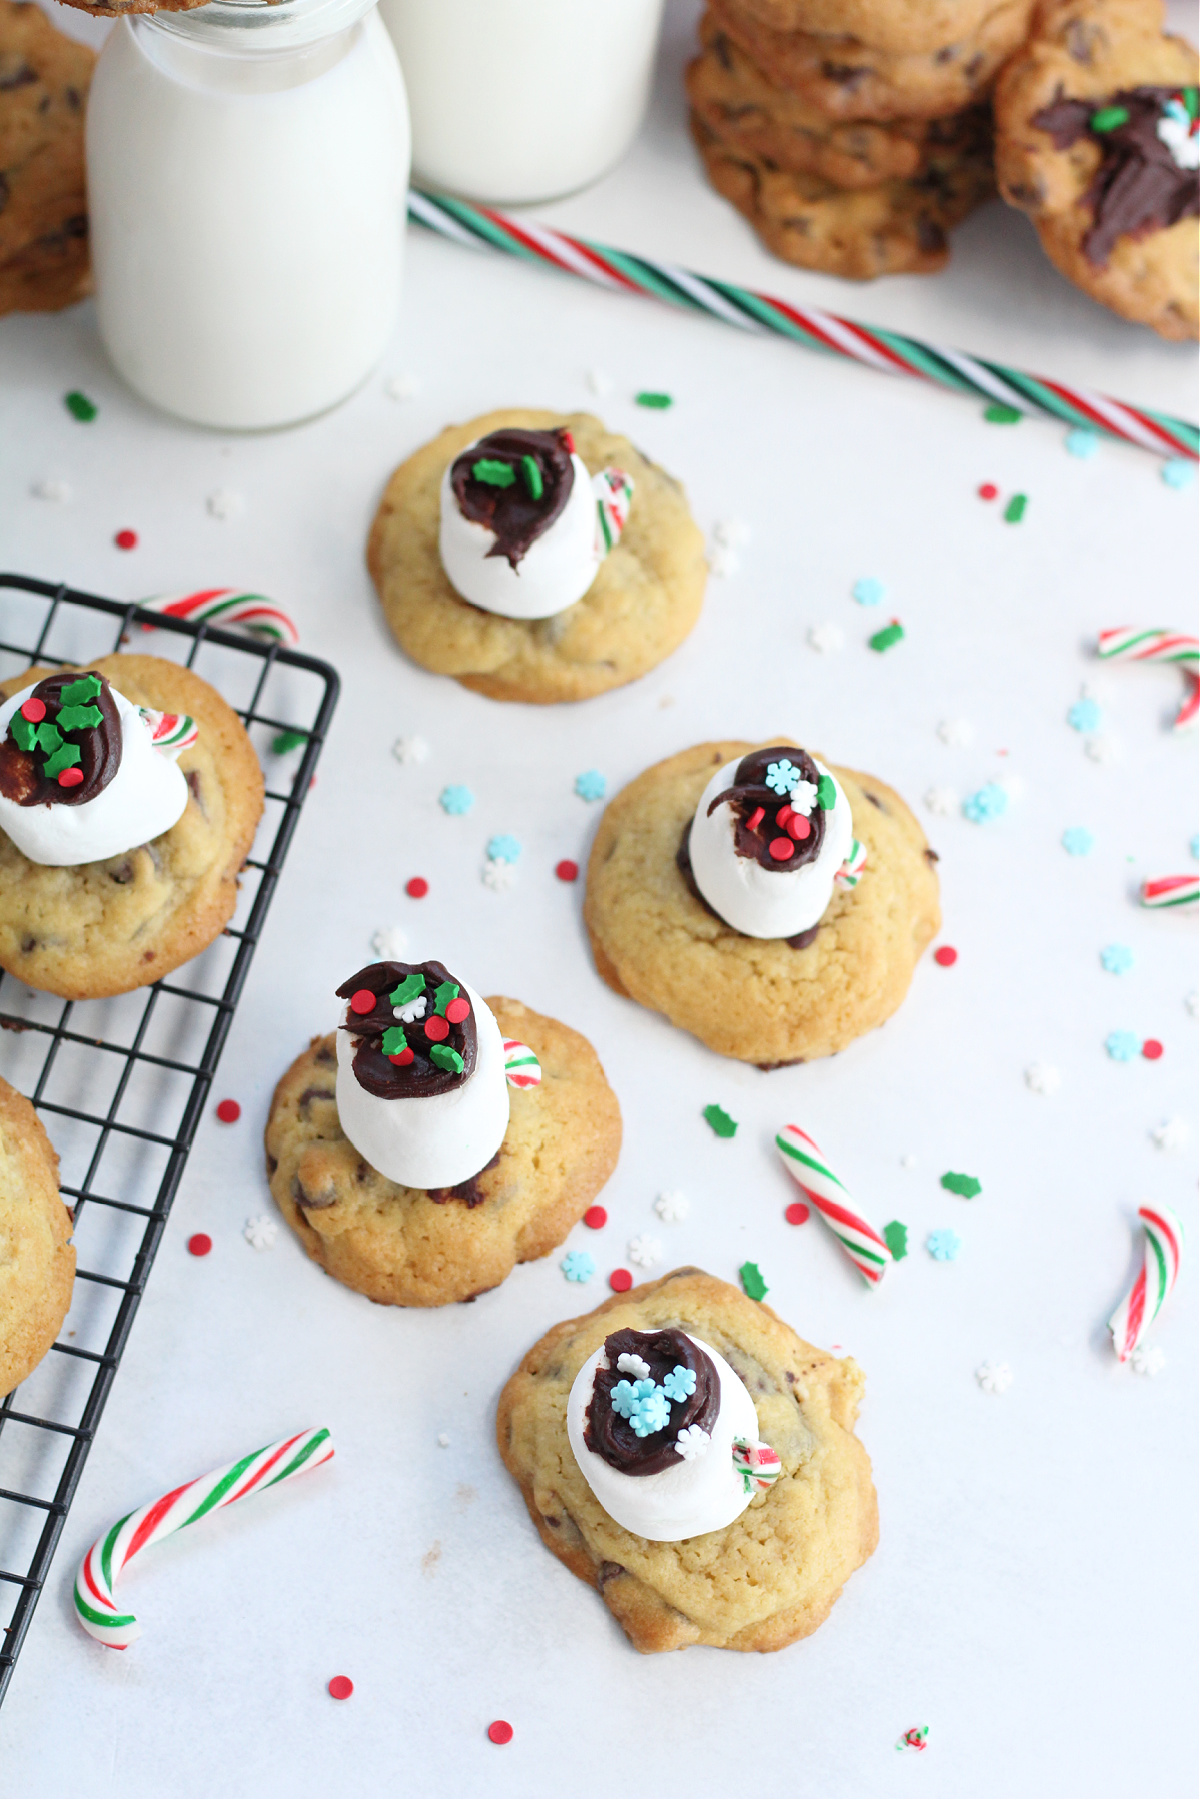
point(120, 1084)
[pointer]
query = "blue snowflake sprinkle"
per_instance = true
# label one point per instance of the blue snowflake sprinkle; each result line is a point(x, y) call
point(1194, 846)
point(503, 848)
point(1117, 958)
point(1123, 1046)
point(868, 591)
point(591, 785)
point(652, 1413)
point(456, 799)
point(943, 1246)
point(782, 776)
point(1178, 472)
point(578, 1265)
point(1083, 442)
point(680, 1384)
point(988, 803)
point(627, 1396)
point(1084, 716)
point(1077, 840)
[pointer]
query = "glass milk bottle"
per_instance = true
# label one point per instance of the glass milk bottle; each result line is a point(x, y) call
point(517, 100)
point(247, 170)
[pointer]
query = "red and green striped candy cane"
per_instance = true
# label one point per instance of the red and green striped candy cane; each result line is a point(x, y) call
point(226, 607)
point(170, 732)
point(613, 489)
point(1159, 1272)
point(521, 1067)
point(810, 1171)
point(95, 1605)
point(1171, 890)
point(1136, 643)
point(850, 873)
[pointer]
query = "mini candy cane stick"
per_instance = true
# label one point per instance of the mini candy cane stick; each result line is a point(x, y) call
point(170, 732)
point(613, 489)
point(757, 1464)
point(95, 1607)
point(848, 875)
point(1157, 1276)
point(1128, 643)
point(1170, 890)
point(808, 1168)
point(521, 1067)
point(228, 606)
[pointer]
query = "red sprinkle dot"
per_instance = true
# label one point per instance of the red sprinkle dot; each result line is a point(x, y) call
point(457, 1011)
point(567, 870)
point(945, 956)
point(781, 848)
point(988, 490)
point(595, 1217)
point(756, 818)
point(33, 710)
point(436, 1028)
point(340, 1688)
point(417, 888)
point(402, 1058)
point(200, 1244)
point(70, 777)
point(500, 1731)
point(1152, 1049)
point(362, 1000)
point(567, 442)
point(620, 1281)
point(228, 1111)
point(798, 826)
point(783, 815)
point(126, 540)
point(797, 1213)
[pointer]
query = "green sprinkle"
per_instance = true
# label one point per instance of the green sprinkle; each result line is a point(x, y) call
point(533, 477)
point(394, 1040)
point(64, 758)
point(1014, 512)
point(895, 1236)
point(659, 402)
point(720, 1121)
point(80, 407)
point(826, 793)
point(891, 634)
point(753, 1283)
point(78, 693)
point(24, 731)
point(443, 995)
point(446, 1058)
point(999, 414)
point(409, 988)
point(49, 737)
point(492, 472)
point(1191, 99)
point(1109, 118)
point(78, 718)
point(966, 1185)
point(288, 740)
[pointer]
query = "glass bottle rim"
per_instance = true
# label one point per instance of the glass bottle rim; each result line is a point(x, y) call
point(260, 25)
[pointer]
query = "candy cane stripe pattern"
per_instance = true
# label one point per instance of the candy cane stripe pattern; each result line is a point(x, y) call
point(758, 1465)
point(521, 1067)
point(812, 1174)
point(1131, 643)
point(1159, 1272)
point(170, 732)
point(95, 1607)
point(1171, 890)
point(613, 489)
point(228, 606)
point(848, 875)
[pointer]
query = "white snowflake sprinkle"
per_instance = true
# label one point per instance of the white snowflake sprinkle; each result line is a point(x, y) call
point(410, 750)
point(826, 638)
point(723, 561)
point(1106, 749)
point(53, 489)
point(599, 381)
point(637, 1366)
point(1098, 688)
point(260, 1232)
point(908, 1161)
point(1192, 1002)
point(402, 386)
point(498, 874)
point(1148, 1359)
point(731, 532)
point(956, 733)
point(672, 1207)
point(443, 1441)
point(942, 800)
point(994, 1378)
point(389, 943)
point(1172, 1134)
point(223, 503)
point(691, 1442)
point(644, 1250)
point(412, 1010)
point(1043, 1078)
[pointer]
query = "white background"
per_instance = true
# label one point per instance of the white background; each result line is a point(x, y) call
point(1032, 1596)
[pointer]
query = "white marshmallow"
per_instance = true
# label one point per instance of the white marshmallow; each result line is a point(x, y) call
point(557, 569)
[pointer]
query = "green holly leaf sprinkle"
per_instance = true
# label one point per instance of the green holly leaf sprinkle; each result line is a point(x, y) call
point(826, 793)
point(409, 988)
point(443, 995)
point(1000, 414)
point(966, 1185)
point(1014, 512)
point(895, 1236)
point(288, 740)
point(394, 1040)
point(80, 407)
point(25, 733)
point(65, 758)
point(1109, 118)
point(891, 634)
point(446, 1058)
point(78, 718)
point(493, 473)
point(720, 1121)
point(533, 477)
point(49, 737)
point(78, 693)
point(1191, 100)
point(657, 402)
point(753, 1283)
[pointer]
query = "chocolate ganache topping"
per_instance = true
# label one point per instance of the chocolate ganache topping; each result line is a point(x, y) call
point(63, 744)
point(516, 483)
point(1140, 186)
point(622, 1429)
point(416, 1030)
point(767, 826)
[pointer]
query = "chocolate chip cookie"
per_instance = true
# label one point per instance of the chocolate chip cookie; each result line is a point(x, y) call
point(898, 25)
point(37, 1263)
point(407, 1247)
point(44, 80)
point(765, 1580)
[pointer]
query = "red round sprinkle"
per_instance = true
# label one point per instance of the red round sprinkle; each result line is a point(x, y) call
point(228, 1111)
point(798, 826)
point(567, 442)
point(567, 870)
point(595, 1217)
point(756, 818)
point(200, 1244)
point(500, 1731)
point(988, 490)
point(457, 1011)
point(417, 888)
point(436, 1028)
point(340, 1688)
point(402, 1058)
point(620, 1281)
point(126, 540)
point(33, 710)
point(70, 777)
point(797, 1213)
point(781, 848)
point(1152, 1049)
point(945, 956)
point(362, 1000)
point(783, 815)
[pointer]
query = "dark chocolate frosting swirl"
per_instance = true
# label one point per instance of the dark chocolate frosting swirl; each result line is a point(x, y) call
point(518, 513)
point(751, 798)
point(1139, 187)
point(421, 1078)
point(23, 776)
point(613, 1437)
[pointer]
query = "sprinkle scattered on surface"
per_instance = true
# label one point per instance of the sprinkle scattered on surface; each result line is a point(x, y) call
point(620, 1281)
point(914, 1738)
point(964, 1185)
point(1082, 442)
point(456, 799)
point(943, 1245)
point(1103, 749)
point(1178, 472)
point(1042, 1078)
point(591, 785)
point(1152, 1049)
point(228, 1111)
point(672, 1207)
point(1122, 1046)
point(656, 401)
point(599, 381)
point(1148, 1359)
point(644, 1250)
point(1172, 1134)
point(994, 1378)
point(1117, 958)
point(80, 407)
point(288, 740)
point(596, 1218)
point(401, 387)
point(987, 490)
point(891, 634)
point(51, 488)
point(416, 887)
point(566, 870)
point(720, 1121)
point(796, 1213)
point(578, 1265)
point(999, 414)
point(389, 943)
point(908, 1161)
point(868, 591)
point(504, 847)
point(224, 503)
point(945, 956)
point(942, 800)
point(956, 733)
point(988, 802)
point(410, 749)
point(199, 1244)
point(443, 1439)
point(895, 1236)
point(341, 1687)
point(753, 1285)
point(500, 1731)
point(1084, 715)
point(126, 540)
point(1014, 512)
point(498, 875)
point(826, 638)
point(260, 1232)
point(1077, 840)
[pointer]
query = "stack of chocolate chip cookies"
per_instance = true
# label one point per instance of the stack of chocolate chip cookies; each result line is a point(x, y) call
point(853, 134)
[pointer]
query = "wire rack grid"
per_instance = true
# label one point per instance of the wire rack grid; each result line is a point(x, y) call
point(121, 1084)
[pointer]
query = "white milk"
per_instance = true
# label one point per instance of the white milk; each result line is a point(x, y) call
point(247, 171)
point(518, 100)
